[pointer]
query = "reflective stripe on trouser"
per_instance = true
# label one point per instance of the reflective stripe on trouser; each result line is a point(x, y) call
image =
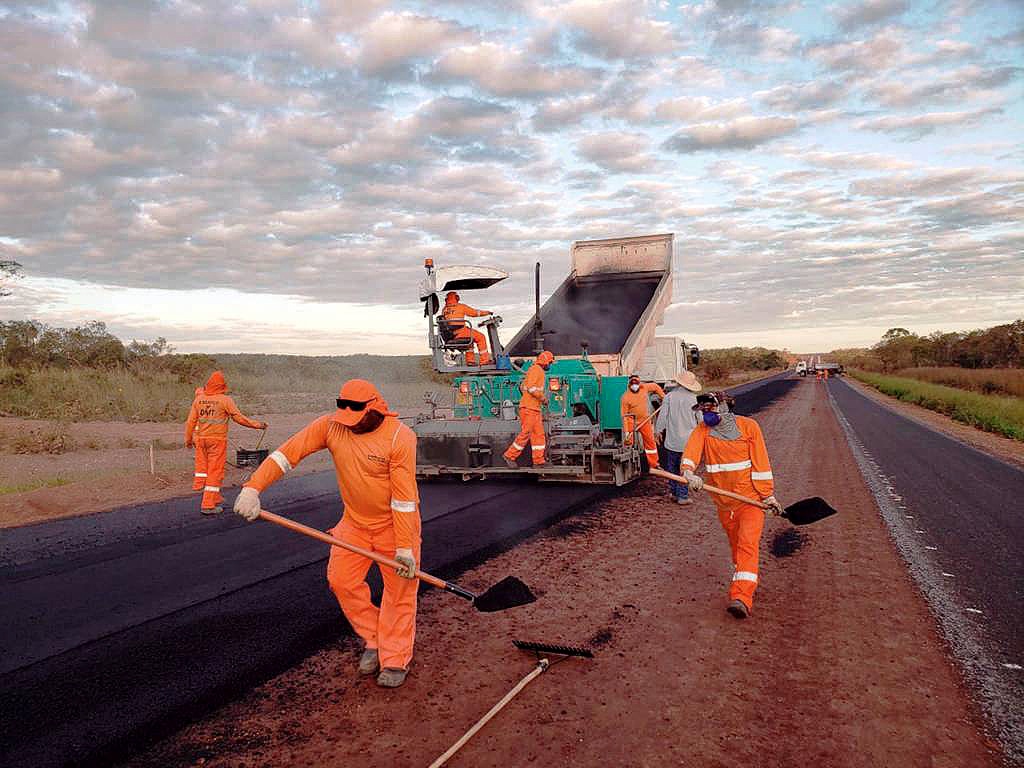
point(479, 340)
point(650, 444)
point(743, 525)
point(532, 432)
point(391, 629)
point(212, 454)
point(199, 478)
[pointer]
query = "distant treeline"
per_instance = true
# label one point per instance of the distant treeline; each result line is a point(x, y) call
point(1001, 346)
point(717, 364)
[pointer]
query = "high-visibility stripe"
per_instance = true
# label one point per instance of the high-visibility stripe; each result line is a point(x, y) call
point(736, 465)
point(403, 506)
point(213, 421)
point(760, 475)
point(212, 489)
point(201, 474)
point(282, 461)
point(744, 576)
point(517, 446)
point(540, 446)
point(689, 463)
point(650, 451)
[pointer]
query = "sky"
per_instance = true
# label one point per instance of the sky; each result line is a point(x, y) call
point(269, 176)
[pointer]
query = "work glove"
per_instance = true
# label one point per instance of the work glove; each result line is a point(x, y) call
point(693, 481)
point(408, 561)
point(773, 505)
point(263, 425)
point(248, 503)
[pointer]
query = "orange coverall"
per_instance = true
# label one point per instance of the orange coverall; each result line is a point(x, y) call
point(376, 474)
point(740, 466)
point(531, 422)
point(635, 408)
point(207, 427)
point(455, 311)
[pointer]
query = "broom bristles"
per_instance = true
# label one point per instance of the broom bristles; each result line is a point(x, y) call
point(561, 650)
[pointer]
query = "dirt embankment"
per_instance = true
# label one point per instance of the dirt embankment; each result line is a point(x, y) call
point(840, 664)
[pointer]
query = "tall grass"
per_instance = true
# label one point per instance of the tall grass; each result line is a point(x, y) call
point(988, 381)
point(80, 394)
point(1001, 415)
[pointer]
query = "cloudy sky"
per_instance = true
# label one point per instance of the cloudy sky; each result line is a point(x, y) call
point(270, 175)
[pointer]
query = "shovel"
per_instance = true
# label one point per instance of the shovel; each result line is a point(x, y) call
point(804, 512)
point(507, 593)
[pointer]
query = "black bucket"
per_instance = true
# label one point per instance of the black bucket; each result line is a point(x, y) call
point(247, 458)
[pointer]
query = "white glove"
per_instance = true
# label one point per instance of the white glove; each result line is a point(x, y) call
point(248, 503)
point(406, 558)
point(693, 481)
point(773, 505)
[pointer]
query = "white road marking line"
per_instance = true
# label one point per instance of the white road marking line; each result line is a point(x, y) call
point(973, 610)
point(948, 575)
point(931, 548)
point(1013, 666)
point(918, 530)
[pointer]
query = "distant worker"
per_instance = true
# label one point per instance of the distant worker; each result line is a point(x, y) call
point(736, 460)
point(207, 430)
point(374, 458)
point(530, 419)
point(675, 424)
point(636, 416)
point(456, 313)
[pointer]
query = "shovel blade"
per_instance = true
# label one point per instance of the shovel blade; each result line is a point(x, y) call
point(808, 511)
point(510, 592)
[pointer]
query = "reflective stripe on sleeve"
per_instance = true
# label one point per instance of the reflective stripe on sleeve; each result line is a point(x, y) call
point(403, 506)
point(760, 475)
point(201, 474)
point(689, 463)
point(212, 488)
point(736, 465)
point(744, 576)
point(282, 461)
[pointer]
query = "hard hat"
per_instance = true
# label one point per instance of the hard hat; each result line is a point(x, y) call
point(545, 358)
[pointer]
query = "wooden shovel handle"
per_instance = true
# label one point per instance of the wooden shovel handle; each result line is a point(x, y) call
point(720, 491)
point(313, 533)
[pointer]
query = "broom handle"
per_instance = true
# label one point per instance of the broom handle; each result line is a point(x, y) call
point(541, 666)
point(284, 522)
point(719, 491)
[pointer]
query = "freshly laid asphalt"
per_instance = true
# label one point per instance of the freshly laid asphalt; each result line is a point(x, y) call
point(956, 515)
point(118, 628)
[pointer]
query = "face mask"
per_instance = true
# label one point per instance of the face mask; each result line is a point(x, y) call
point(711, 418)
point(635, 387)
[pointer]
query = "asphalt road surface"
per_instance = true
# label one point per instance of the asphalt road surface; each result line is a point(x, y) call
point(117, 628)
point(955, 513)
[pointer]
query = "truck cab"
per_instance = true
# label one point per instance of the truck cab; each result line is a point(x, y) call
point(801, 367)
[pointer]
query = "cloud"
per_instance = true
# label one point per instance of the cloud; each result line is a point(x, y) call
point(617, 152)
point(506, 71)
point(955, 86)
point(886, 50)
point(803, 96)
point(742, 133)
point(613, 29)
point(700, 109)
point(392, 40)
point(916, 126)
point(869, 12)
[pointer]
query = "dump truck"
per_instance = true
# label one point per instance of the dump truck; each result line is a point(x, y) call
point(598, 324)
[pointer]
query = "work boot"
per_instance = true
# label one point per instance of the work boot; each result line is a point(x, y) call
point(369, 662)
point(684, 502)
point(738, 609)
point(212, 511)
point(510, 463)
point(391, 677)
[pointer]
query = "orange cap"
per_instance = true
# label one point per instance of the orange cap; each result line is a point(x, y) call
point(359, 391)
point(545, 358)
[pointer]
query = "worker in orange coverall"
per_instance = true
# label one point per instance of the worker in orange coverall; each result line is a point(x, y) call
point(374, 458)
point(207, 429)
point(456, 313)
point(735, 459)
point(636, 410)
point(530, 420)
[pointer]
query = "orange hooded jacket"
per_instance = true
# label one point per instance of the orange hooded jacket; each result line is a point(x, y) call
point(211, 411)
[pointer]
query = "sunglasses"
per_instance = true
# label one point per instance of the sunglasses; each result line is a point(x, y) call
point(353, 405)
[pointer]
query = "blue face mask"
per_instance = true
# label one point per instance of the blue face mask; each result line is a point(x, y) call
point(711, 418)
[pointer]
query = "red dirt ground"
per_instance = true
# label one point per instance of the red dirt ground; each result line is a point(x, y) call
point(840, 665)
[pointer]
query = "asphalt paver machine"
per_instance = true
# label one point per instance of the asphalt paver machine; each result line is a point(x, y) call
point(597, 324)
